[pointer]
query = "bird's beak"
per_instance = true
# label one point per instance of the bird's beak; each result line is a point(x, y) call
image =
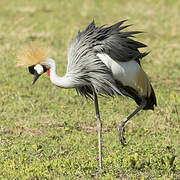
point(36, 76)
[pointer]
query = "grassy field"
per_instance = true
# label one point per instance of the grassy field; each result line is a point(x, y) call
point(50, 133)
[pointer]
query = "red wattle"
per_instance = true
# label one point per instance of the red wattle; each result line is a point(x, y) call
point(48, 72)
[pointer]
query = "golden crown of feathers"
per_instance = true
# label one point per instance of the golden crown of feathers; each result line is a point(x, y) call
point(31, 54)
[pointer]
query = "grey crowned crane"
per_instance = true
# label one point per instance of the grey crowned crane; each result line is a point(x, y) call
point(101, 61)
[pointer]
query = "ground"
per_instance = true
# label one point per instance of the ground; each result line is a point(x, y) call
point(50, 133)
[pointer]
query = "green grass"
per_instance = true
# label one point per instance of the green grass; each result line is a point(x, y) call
point(50, 133)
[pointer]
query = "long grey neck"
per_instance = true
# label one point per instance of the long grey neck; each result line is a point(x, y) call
point(63, 82)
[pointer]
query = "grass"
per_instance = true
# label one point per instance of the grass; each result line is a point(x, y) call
point(50, 133)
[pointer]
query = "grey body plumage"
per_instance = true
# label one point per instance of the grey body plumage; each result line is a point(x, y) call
point(87, 68)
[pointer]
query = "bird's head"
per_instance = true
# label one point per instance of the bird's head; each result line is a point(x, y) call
point(37, 70)
point(35, 57)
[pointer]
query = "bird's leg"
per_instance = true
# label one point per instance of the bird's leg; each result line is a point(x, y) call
point(99, 124)
point(122, 124)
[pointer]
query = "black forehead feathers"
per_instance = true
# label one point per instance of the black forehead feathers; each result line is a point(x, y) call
point(32, 71)
point(44, 68)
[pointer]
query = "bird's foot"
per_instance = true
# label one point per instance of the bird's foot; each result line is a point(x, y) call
point(121, 133)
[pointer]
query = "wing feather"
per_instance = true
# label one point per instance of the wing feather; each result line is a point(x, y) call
point(84, 64)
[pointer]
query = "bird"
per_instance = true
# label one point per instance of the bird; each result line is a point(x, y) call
point(102, 61)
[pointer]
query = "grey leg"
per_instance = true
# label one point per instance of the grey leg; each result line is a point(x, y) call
point(99, 124)
point(122, 124)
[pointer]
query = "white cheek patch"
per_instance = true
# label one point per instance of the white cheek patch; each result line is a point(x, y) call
point(39, 69)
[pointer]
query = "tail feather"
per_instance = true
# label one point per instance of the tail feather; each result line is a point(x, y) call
point(151, 101)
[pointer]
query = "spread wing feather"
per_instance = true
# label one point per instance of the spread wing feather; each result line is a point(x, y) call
point(86, 66)
point(115, 42)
